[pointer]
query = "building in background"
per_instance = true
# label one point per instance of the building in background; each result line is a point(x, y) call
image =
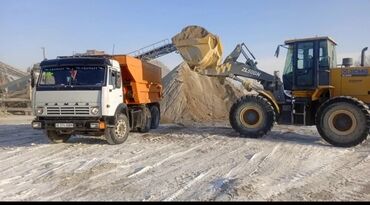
point(92, 52)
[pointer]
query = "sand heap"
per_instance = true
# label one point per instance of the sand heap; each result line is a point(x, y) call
point(190, 97)
point(165, 70)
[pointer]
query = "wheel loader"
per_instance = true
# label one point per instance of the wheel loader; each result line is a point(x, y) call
point(314, 90)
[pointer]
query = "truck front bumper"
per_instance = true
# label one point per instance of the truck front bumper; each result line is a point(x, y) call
point(82, 125)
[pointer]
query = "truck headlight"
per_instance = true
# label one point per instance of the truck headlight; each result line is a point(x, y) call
point(94, 111)
point(39, 110)
point(36, 125)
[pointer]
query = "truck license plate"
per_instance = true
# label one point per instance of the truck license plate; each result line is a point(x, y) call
point(64, 125)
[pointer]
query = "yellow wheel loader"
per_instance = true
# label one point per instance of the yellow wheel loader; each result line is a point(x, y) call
point(314, 89)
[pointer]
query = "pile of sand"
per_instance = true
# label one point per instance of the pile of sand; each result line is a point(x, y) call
point(190, 97)
point(165, 70)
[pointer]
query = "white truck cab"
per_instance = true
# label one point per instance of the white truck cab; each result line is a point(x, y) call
point(82, 95)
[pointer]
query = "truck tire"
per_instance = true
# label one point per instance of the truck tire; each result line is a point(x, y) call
point(146, 122)
point(343, 121)
point(156, 116)
point(119, 133)
point(252, 116)
point(55, 137)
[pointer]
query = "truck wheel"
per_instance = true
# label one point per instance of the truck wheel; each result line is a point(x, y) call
point(154, 111)
point(147, 121)
point(252, 116)
point(119, 133)
point(55, 137)
point(343, 121)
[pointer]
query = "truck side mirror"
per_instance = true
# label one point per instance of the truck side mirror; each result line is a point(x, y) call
point(32, 82)
point(277, 52)
point(32, 79)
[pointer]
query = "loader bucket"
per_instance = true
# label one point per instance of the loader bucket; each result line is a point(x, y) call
point(199, 48)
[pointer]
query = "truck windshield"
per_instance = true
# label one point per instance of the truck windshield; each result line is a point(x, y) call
point(72, 76)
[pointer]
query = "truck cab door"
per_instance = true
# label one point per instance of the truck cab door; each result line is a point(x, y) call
point(114, 91)
point(117, 93)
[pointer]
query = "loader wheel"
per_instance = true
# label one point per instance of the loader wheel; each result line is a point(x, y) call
point(343, 121)
point(119, 133)
point(55, 137)
point(156, 115)
point(146, 122)
point(252, 116)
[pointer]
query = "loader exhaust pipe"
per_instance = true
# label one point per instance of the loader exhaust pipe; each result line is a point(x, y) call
point(363, 56)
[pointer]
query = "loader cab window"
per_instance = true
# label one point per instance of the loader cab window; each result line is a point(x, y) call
point(327, 60)
point(305, 56)
point(324, 58)
point(332, 54)
point(304, 66)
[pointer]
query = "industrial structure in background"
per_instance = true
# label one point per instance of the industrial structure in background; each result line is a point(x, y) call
point(15, 92)
point(91, 52)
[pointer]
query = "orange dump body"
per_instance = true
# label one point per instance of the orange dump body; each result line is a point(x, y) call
point(142, 82)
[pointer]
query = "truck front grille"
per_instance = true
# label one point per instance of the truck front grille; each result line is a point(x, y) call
point(67, 111)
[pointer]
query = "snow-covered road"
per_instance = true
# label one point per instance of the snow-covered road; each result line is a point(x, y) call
point(204, 162)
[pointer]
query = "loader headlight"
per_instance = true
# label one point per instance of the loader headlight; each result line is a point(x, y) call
point(39, 110)
point(94, 111)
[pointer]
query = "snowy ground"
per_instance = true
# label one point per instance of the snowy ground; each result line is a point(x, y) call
point(181, 163)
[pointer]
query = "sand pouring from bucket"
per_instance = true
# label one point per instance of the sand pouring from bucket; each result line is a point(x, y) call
point(199, 48)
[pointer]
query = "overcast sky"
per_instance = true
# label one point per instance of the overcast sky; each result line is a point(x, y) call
point(67, 26)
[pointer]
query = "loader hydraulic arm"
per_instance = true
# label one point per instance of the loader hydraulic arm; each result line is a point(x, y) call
point(234, 69)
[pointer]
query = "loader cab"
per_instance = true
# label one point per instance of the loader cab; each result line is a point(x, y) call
point(308, 63)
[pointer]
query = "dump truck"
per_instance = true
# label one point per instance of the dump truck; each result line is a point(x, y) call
point(314, 90)
point(108, 95)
